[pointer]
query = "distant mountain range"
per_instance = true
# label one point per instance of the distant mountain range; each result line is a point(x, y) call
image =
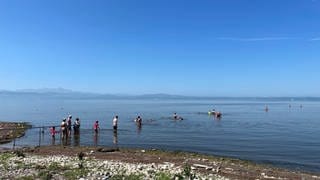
point(70, 93)
point(45, 90)
point(66, 93)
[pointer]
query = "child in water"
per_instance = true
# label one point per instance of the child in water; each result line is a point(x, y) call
point(53, 131)
point(96, 126)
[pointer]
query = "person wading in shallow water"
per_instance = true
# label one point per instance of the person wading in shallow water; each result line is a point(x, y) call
point(96, 127)
point(138, 120)
point(217, 114)
point(53, 132)
point(69, 123)
point(76, 126)
point(176, 117)
point(63, 128)
point(115, 123)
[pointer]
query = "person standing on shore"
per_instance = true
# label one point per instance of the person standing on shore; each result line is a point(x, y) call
point(115, 123)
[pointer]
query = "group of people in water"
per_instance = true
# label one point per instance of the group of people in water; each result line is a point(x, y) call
point(266, 109)
point(66, 125)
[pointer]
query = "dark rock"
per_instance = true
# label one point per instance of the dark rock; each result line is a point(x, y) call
point(108, 149)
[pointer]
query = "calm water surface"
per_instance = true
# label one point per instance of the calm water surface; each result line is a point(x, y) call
point(286, 137)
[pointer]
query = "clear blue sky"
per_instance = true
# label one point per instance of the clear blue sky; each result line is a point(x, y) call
point(218, 48)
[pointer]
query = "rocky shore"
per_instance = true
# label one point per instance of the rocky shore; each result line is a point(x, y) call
point(21, 166)
point(11, 130)
point(60, 162)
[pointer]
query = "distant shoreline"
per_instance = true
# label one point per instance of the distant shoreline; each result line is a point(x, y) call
point(77, 94)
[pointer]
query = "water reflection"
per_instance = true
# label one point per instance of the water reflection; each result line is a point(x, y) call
point(218, 118)
point(115, 138)
point(95, 139)
point(76, 139)
point(53, 141)
point(139, 127)
point(66, 141)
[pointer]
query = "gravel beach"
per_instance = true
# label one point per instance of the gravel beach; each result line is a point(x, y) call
point(61, 162)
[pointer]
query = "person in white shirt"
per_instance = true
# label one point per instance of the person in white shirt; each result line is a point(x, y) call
point(115, 123)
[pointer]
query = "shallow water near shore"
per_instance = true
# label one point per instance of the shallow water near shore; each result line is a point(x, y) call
point(283, 136)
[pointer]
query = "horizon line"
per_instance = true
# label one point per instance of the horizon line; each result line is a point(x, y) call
point(68, 91)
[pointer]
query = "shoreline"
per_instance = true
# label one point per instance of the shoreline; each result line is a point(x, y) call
point(202, 166)
point(11, 130)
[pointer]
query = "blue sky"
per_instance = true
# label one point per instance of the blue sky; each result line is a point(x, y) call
point(216, 48)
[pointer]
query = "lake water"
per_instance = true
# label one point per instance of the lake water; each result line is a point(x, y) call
point(283, 136)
